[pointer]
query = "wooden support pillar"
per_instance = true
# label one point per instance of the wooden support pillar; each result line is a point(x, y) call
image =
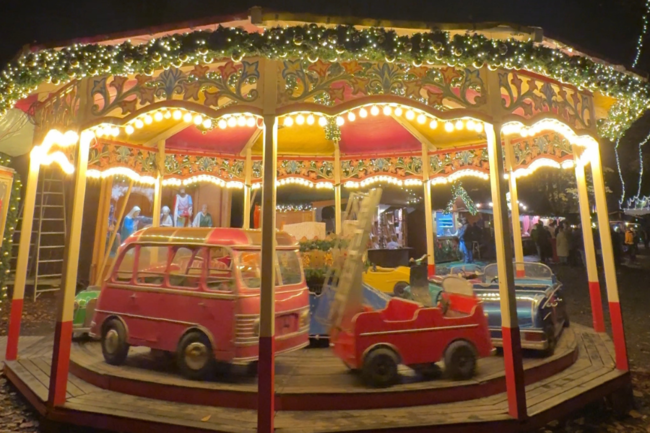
point(338, 229)
point(588, 242)
point(607, 249)
point(158, 188)
point(511, 337)
point(266, 365)
point(428, 212)
point(63, 329)
point(514, 212)
point(23, 255)
point(248, 169)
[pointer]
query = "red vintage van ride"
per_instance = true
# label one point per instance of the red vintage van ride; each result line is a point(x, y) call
point(195, 292)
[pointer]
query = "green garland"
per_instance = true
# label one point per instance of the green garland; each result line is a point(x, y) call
point(10, 227)
point(24, 75)
point(457, 190)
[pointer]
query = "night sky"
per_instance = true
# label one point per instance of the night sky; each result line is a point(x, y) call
point(608, 29)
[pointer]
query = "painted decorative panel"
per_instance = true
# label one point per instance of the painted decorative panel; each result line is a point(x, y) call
point(313, 170)
point(399, 167)
point(104, 156)
point(60, 111)
point(526, 95)
point(331, 83)
point(550, 145)
point(184, 166)
point(214, 86)
point(443, 164)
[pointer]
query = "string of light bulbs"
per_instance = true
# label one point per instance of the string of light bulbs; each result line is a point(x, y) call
point(639, 43)
point(641, 144)
point(620, 173)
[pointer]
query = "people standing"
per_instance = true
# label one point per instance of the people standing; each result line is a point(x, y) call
point(562, 245)
point(630, 244)
point(462, 241)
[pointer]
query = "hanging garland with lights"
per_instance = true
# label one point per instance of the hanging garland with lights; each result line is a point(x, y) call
point(25, 74)
point(10, 227)
point(457, 191)
point(294, 207)
point(644, 30)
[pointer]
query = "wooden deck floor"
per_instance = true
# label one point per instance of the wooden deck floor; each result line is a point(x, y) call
point(86, 404)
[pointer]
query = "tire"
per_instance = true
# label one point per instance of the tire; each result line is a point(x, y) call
point(398, 289)
point(549, 333)
point(380, 368)
point(460, 360)
point(194, 357)
point(114, 342)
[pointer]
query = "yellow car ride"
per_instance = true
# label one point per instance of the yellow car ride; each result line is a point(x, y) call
point(388, 280)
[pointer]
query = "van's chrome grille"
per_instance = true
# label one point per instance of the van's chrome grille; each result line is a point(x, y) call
point(245, 330)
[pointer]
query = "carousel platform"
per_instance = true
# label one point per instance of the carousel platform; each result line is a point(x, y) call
point(315, 392)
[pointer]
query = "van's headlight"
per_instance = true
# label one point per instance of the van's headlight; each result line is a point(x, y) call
point(256, 327)
point(304, 318)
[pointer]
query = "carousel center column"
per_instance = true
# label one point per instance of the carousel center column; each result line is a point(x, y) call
point(428, 212)
point(514, 205)
point(63, 329)
point(157, 193)
point(266, 366)
point(588, 244)
point(608, 262)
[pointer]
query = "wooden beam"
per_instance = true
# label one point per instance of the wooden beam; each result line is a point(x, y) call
point(168, 133)
point(251, 141)
point(414, 132)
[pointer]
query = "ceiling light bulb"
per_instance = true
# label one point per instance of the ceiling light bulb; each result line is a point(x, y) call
point(167, 115)
point(459, 125)
point(250, 122)
point(222, 124)
point(363, 113)
point(139, 123)
point(387, 110)
point(288, 121)
point(421, 119)
point(241, 121)
point(340, 121)
point(398, 111)
point(311, 119)
point(410, 115)
point(374, 110)
point(115, 131)
point(433, 124)
point(177, 115)
point(129, 129)
point(449, 126)
point(148, 119)
point(187, 118)
point(232, 122)
point(351, 116)
point(478, 127)
point(322, 121)
point(198, 119)
point(158, 116)
point(207, 123)
point(300, 119)
point(470, 125)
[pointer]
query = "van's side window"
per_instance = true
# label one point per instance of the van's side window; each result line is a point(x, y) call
point(249, 265)
point(220, 270)
point(186, 267)
point(152, 262)
point(289, 267)
point(124, 272)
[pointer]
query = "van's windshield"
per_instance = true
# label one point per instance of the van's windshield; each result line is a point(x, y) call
point(288, 262)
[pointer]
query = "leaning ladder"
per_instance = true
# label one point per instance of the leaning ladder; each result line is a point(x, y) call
point(47, 245)
point(348, 292)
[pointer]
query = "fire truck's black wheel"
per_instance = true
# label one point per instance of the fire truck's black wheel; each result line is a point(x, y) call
point(460, 360)
point(114, 342)
point(399, 289)
point(380, 368)
point(551, 339)
point(194, 356)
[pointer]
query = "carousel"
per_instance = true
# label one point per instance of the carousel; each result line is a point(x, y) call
point(248, 104)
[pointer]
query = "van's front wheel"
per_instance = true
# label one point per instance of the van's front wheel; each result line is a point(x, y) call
point(114, 346)
point(194, 356)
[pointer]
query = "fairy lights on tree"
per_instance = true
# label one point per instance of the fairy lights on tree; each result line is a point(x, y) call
point(10, 228)
point(457, 191)
point(639, 43)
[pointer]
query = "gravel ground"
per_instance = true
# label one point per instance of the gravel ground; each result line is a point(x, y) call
point(17, 416)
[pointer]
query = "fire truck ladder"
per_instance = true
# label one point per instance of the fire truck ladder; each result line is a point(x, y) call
point(347, 278)
point(45, 264)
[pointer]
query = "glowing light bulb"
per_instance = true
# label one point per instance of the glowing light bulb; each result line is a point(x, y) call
point(433, 124)
point(222, 124)
point(167, 115)
point(351, 116)
point(241, 121)
point(130, 129)
point(478, 127)
point(374, 110)
point(300, 119)
point(187, 118)
point(207, 123)
point(421, 119)
point(148, 119)
point(288, 121)
point(232, 122)
point(387, 110)
point(250, 122)
point(115, 131)
point(322, 121)
point(363, 113)
point(459, 125)
point(340, 121)
point(139, 123)
point(410, 115)
point(177, 115)
point(158, 116)
point(449, 127)
point(471, 125)
point(198, 119)
point(398, 111)
point(311, 119)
